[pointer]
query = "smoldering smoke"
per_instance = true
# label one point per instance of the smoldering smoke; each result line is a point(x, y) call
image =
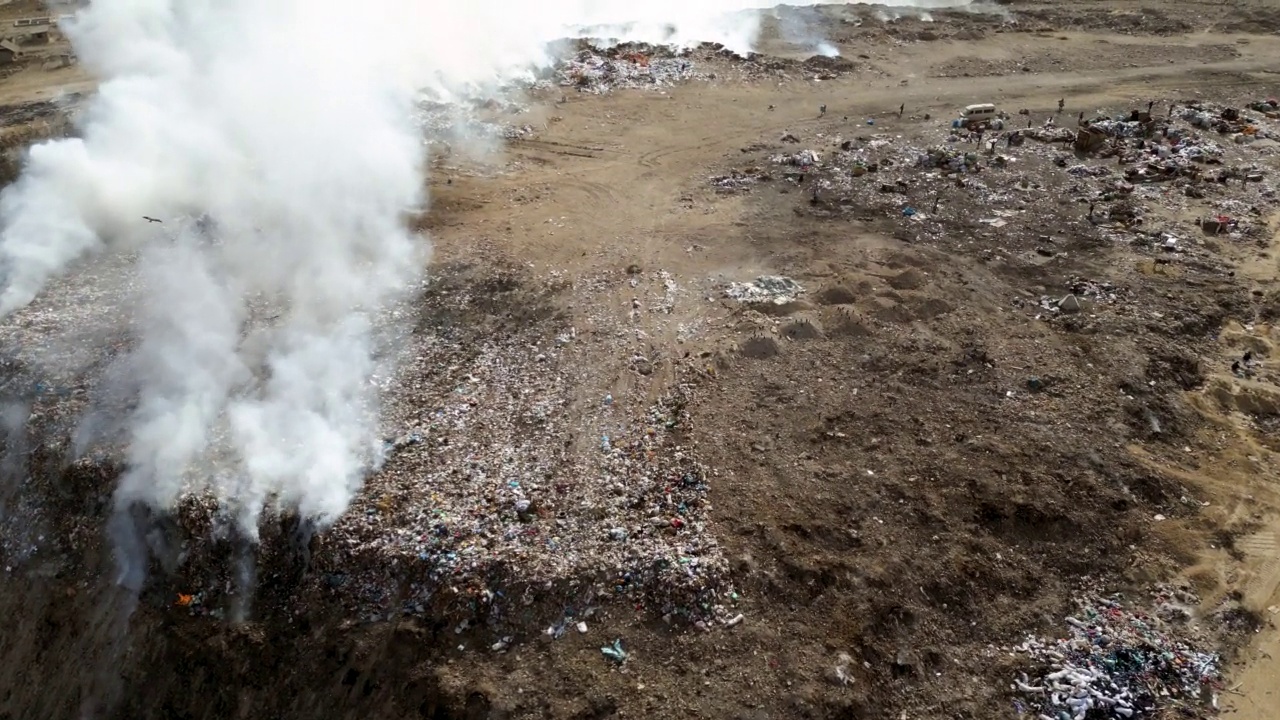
point(283, 171)
point(274, 139)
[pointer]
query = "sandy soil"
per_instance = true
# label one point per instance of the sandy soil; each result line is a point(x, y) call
point(883, 482)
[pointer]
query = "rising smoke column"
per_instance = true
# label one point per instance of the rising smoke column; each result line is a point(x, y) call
point(275, 137)
point(298, 156)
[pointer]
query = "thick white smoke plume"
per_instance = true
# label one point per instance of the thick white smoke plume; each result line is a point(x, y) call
point(283, 161)
point(275, 140)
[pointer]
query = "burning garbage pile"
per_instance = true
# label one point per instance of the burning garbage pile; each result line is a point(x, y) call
point(503, 498)
point(1114, 664)
point(442, 122)
point(590, 71)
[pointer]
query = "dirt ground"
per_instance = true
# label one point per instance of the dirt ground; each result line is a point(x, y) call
point(914, 463)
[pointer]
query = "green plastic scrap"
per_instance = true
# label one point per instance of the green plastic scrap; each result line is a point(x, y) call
point(615, 652)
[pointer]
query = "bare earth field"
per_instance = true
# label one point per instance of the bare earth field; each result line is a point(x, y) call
point(849, 502)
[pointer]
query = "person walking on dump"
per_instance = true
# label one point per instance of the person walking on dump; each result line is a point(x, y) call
point(1062, 102)
point(822, 110)
point(901, 109)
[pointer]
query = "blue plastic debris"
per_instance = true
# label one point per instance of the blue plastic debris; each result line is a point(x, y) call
point(615, 652)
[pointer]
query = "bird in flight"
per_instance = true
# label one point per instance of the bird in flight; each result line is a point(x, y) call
point(151, 219)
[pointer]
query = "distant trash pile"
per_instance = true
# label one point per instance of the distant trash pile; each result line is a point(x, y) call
point(592, 72)
point(1116, 664)
point(951, 159)
point(775, 289)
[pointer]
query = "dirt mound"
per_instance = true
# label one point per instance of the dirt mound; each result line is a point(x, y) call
point(830, 64)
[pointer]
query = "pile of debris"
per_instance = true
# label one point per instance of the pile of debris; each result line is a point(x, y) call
point(441, 122)
point(591, 72)
point(803, 159)
point(737, 180)
point(1114, 664)
point(948, 159)
point(775, 289)
point(1162, 160)
point(1096, 291)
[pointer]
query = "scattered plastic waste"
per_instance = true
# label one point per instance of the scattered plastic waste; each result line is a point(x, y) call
point(1115, 664)
point(802, 159)
point(615, 652)
point(592, 72)
point(775, 289)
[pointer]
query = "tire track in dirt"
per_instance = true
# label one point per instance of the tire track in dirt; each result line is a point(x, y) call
point(1264, 556)
point(597, 193)
point(552, 147)
point(572, 172)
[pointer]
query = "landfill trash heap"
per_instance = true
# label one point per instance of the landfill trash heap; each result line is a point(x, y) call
point(592, 72)
point(774, 289)
point(1114, 663)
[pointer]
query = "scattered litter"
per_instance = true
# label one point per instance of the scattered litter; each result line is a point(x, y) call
point(842, 674)
point(615, 652)
point(590, 71)
point(803, 159)
point(1115, 664)
point(776, 289)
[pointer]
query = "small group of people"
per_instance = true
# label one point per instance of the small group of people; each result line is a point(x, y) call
point(1244, 366)
point(822, 110)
